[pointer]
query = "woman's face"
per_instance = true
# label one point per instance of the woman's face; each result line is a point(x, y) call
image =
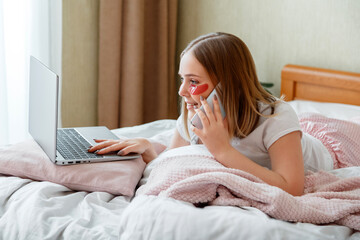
point(195, 82)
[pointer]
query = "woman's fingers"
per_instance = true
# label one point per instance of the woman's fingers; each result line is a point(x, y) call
point(128, 149)
point(102, 144)
point(217, 111)
point(203, 118)
point(112, 148)
point(196, 131)
point(208, 110)
point(226, 124)
point(124, 147)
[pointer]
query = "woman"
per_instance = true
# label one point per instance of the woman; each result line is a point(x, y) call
point(260, 133)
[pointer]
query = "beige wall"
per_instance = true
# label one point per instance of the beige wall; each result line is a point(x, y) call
point(318, 33)
point(79, 62)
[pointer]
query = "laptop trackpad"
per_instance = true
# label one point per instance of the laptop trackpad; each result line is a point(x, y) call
point(91, 133)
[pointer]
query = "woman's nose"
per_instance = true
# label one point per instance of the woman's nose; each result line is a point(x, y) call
point(183, 90)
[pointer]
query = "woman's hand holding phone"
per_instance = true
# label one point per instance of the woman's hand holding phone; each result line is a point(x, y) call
point(195, 121)
point(214, 132)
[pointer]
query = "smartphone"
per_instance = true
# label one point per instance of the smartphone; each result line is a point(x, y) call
point(195, 121)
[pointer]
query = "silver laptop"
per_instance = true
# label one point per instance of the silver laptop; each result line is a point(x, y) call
point(63, 146)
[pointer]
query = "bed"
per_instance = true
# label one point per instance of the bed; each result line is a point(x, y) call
point(31, 209)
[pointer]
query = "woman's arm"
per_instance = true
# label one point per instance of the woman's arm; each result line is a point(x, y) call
point(287, 170)
point(136, 145)
point(287, 167)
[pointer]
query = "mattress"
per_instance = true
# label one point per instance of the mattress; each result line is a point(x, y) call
point(44, 210)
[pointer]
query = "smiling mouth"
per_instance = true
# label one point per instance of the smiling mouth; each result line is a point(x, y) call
point(194, 106)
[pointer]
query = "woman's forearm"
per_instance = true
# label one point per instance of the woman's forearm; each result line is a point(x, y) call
point(234, 159)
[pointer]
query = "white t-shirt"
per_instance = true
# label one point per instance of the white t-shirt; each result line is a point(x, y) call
point(255, 146)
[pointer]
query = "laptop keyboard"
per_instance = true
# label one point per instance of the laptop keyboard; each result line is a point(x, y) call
point(72, 145)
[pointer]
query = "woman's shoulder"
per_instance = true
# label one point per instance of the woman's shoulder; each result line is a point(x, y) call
point(277, 117)
point(277, 109)
point(281, 105)
point(282, 121)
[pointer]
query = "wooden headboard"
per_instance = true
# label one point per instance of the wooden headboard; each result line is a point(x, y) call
point(322, 85)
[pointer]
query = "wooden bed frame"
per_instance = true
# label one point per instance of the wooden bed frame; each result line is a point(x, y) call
point(322, 85)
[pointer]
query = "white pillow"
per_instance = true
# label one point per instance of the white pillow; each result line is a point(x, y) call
point(332, 110)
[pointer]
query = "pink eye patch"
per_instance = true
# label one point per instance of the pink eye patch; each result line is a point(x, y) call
point(198, 89)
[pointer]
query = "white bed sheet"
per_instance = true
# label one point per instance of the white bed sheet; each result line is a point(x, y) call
point(44, 210)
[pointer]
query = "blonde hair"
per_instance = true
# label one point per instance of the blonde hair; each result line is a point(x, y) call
point(228, 61)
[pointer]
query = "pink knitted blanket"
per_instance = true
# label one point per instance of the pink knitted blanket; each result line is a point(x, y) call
point(199, 178)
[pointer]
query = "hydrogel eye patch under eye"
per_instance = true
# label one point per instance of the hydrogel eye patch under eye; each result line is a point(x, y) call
point(198, 89)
